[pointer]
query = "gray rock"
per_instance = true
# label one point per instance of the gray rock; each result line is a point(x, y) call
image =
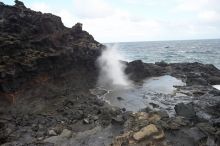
point(118, 119)
point(195, 133)
point(216, 122)
point(185, 110)
point(206, 128)
point(52, 133)
point(58, 140)
point(66, 133)
point(163, 114)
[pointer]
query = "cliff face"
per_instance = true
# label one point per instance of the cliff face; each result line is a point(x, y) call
point(33, 43)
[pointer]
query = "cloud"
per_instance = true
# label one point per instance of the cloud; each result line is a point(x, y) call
point(197, 5)
point(191, 5)
point(184, 19)
point(40, 6)
point(67, 18)
point(92, 8)
point(209, 16)
point(122, 27)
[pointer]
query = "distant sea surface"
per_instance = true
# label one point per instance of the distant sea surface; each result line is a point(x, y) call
point(203, 51)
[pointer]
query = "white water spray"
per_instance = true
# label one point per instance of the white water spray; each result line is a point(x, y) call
point(112, 69)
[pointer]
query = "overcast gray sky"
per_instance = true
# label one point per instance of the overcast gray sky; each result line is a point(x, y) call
point(137, 20)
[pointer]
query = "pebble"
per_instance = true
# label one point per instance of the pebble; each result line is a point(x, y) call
point(52, 133)
point(86, 121)
point(66, 133)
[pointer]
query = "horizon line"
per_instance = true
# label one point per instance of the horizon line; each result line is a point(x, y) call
point(160, 40)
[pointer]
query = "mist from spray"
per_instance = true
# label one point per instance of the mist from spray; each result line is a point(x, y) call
point(112, 69)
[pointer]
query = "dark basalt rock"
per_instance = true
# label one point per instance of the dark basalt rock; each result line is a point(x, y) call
point(185, 110)
point(196, 73)
point(19, 3)
point(191, 73)
point(32, 43)
point(137, 70)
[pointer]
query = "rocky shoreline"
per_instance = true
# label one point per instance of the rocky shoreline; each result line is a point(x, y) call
point(47, 73)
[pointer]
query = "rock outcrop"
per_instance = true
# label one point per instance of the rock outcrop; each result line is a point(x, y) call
point(185, 110)
point(138, 70)
point(33, 43)
point(191, 73)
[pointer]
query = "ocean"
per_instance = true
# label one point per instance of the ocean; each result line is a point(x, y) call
point(203, 51)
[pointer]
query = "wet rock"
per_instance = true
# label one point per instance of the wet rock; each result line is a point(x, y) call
point(138, 70)
point(185, 110)
point(195, 73)
point(194, 80)
point(145, 132)
point(162, 63)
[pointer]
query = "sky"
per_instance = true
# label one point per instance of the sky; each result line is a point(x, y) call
point(136, 20)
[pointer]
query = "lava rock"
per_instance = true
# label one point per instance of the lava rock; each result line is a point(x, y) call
point(185, 110)
point(36, 42)
point(196, 134)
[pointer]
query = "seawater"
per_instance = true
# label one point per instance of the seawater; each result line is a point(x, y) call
point(202, 51)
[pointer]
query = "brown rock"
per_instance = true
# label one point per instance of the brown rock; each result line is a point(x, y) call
point(145, 132)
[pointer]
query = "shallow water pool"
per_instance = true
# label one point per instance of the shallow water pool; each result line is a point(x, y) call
point(156, 91)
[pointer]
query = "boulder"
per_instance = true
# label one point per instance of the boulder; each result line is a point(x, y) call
point(145, 132)
point(185, 110)
point(138, 70)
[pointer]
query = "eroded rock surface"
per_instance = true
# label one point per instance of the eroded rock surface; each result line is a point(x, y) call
point(33, 43)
